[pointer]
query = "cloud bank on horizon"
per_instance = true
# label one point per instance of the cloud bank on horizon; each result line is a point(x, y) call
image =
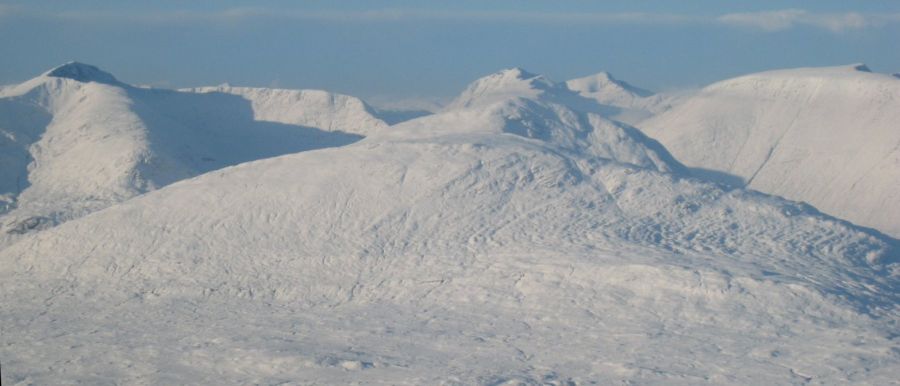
point(772, 21)
point(768, 21)
point(396, 50)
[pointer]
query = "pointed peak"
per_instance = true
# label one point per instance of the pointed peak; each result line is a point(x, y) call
point(862, 67)
point(516, 72)
point(595, 82)
point(82, 73)
point(507, 83)
point(516, 75)
point(606, 76)
point(512, 76)
point(604, 82)
point(602, 75)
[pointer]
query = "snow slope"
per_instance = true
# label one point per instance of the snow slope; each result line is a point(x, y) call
point(320, 109)
point(508, 241)
point(76, 140)
point(826, 136)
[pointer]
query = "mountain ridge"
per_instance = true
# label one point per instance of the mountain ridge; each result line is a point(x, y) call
point(822, 135)
point(469, 245)
point(55, 125)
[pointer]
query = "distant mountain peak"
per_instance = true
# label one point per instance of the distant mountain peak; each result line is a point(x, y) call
point(503, 84)
point(862, 67)
point(515, 75)
point(605, 82)
point(602, 76)
point(517, 72)
point(82, 72)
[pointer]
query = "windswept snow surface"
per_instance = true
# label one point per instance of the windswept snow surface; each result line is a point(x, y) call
point(827, 136)
point(75, 140)
point(510, 241)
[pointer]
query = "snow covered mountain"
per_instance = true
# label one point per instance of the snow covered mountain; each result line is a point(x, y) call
point(600, 94)
point(76, 140)
point(518, 83)
point(608, 90)
point(826, 136)
point(508, 239)
point(320, 109)
point(624, 102)
point(514, 101)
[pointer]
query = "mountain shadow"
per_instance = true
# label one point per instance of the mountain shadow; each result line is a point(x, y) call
point(201, 132)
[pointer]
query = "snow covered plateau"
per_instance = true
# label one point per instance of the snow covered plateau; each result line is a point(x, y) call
point(530, 232)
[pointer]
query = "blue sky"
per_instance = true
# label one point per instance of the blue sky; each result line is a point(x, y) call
point(406, 49)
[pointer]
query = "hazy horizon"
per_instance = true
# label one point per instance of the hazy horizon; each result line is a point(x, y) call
point(389, 50)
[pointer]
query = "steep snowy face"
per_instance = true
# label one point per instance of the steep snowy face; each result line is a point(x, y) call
point(827, 136)
point(312, 108)
point(68, 146)
point(76, 140)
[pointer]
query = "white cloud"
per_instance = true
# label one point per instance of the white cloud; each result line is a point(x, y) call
point(766, 21)
point(384, 15)
point(841, 22)
point(784, 19)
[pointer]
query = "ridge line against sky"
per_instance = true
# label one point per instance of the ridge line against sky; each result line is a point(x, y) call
point(396, 49)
